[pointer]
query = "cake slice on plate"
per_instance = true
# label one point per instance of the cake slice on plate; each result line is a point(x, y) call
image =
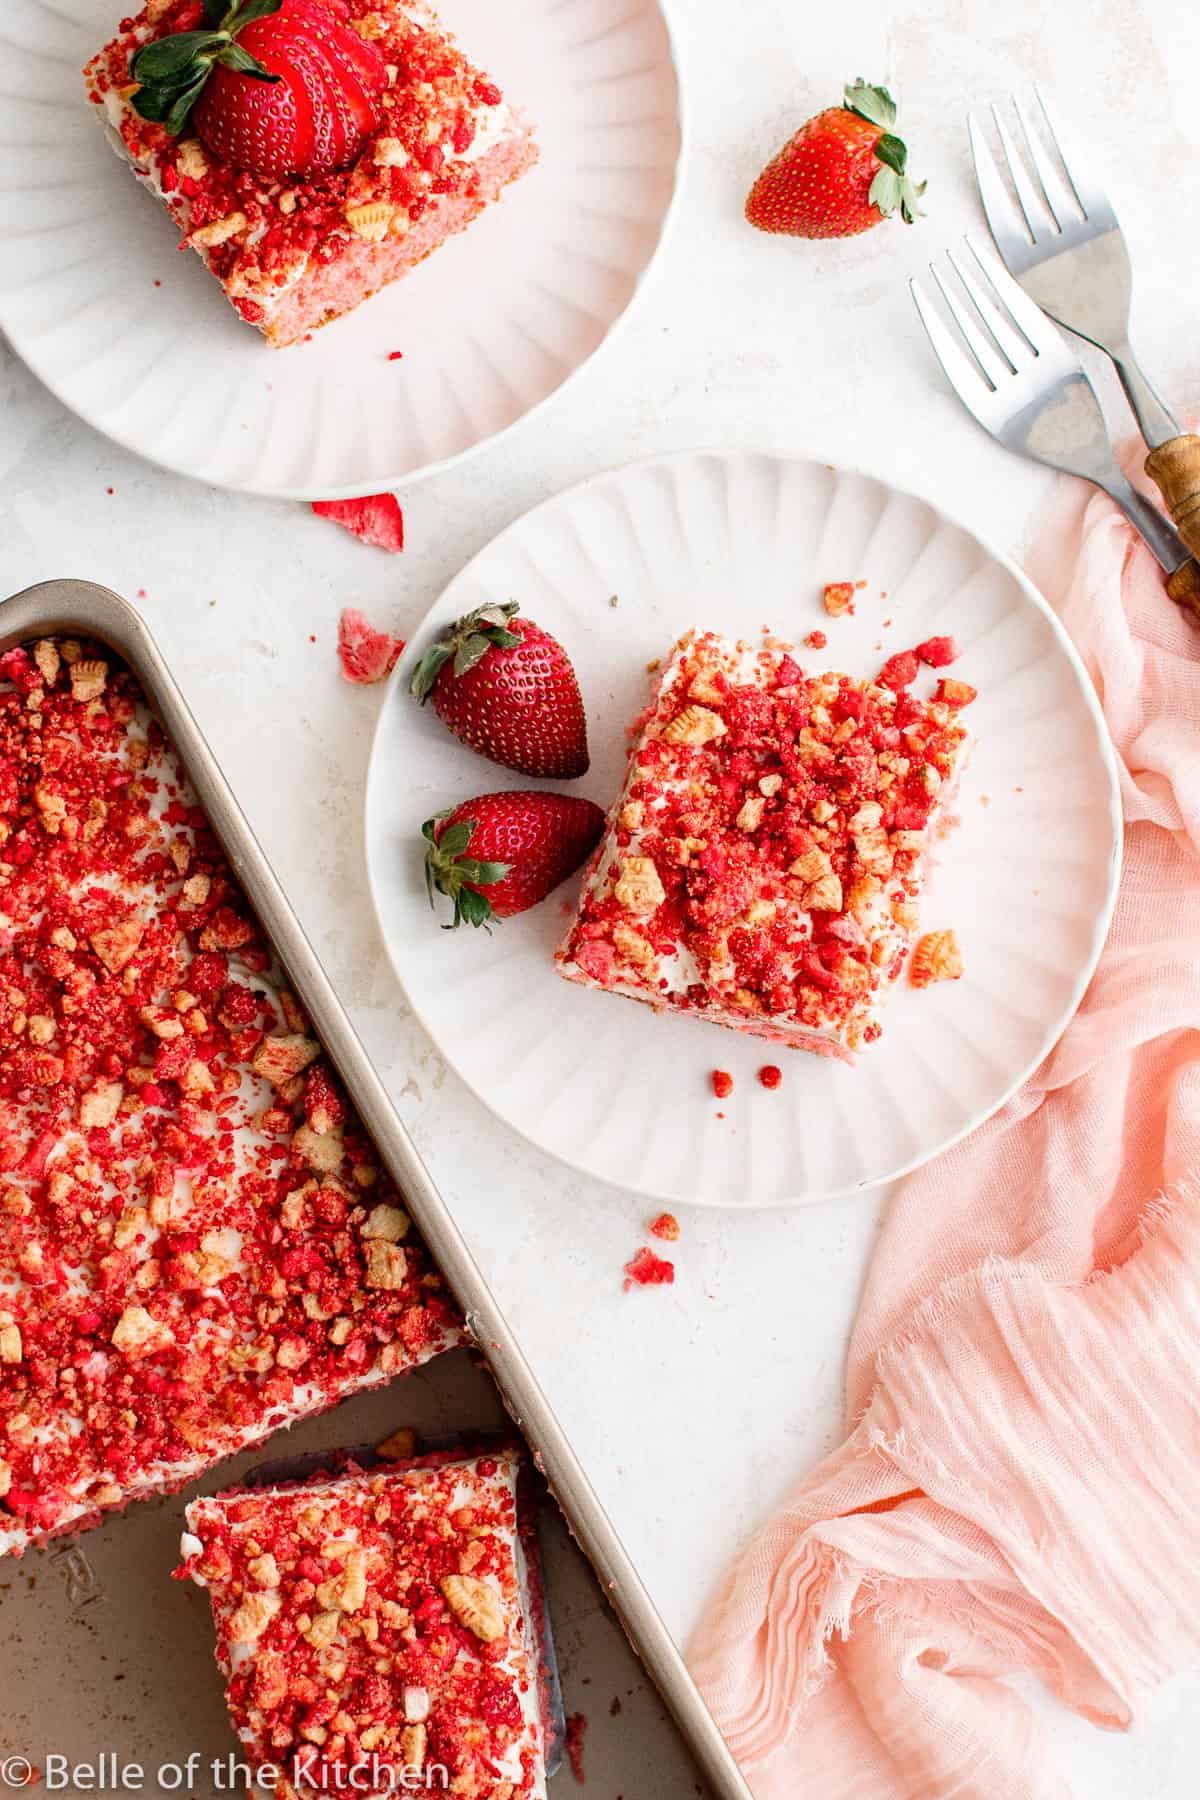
point(763, 863)
point(310, 151)
point(381, 1632)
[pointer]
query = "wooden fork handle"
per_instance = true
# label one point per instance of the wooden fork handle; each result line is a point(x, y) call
point(1175, 467)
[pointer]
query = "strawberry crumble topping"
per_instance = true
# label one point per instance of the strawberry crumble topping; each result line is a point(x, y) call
point(666, 1226)
point(293, 253)
point(770, 1075)
point(197, 1242)
point(648, 1270)
point(838, 598)
point(380, 1632)
point(722, 1083)
point(762, 864)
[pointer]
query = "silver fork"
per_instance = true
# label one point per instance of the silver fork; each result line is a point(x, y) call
point(1062, 241)
point(1027, 387)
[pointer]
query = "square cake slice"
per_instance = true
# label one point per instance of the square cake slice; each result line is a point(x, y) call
point(381, 1632)
point(762, 865)
point(294, 253)
point(198, 1245)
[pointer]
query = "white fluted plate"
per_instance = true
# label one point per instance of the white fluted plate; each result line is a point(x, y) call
point(139, 341)
point(1027, 880)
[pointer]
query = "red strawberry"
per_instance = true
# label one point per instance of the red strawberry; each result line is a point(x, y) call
point(842, 172)
point(507, 688)
point(521, 846)
point(275, 87)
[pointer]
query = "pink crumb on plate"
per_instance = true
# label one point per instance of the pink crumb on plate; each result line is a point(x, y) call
point(577, 1725)
point(647, 1270)
point(376, 519)
point(366, 655)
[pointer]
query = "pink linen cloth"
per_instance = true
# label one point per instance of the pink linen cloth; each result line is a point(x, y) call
point(1020, 1490)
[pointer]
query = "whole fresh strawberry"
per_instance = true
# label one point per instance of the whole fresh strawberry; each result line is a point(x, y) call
point(276, 87)
point(841, 174)
point(502, 853)
point(507, 688)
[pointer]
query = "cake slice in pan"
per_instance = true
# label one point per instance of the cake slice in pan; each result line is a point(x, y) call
point(294, 253)
point(763, 863)
point(381, 1627)
point(198, 1245)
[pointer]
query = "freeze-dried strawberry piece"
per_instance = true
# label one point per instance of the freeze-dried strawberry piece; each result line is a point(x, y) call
point(366, 655)
point(666, 1226)
point(647, 1270)
point(939, 651)
point(376, 519)
point(722, 1083)
point(324, 1107)
point(956, 693)
point(899, 671)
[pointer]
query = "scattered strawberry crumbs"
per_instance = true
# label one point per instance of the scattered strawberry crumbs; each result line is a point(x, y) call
point(376, 519)
point(666, 1226)
point(648, 1270)
point(395, 356)
point(816, 640)
point(771, 1076)
point(938, 652)
point(899, 671)
point(722, 1083)
point(366, 655)
point(955, 693)
point(577, 1725)
point(838, 598)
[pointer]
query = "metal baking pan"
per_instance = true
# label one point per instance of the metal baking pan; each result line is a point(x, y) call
point(81, 608)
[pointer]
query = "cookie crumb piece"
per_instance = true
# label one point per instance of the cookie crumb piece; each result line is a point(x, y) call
point(937, 957)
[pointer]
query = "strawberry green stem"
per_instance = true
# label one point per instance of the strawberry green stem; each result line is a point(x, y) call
point(450, 871)
point(172, 70)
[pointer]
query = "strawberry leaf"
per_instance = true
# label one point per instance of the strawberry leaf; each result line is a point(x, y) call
point(872, 103)
point(455, 839)
point(471, 908)
point(174, 59)
point(471, 651)
point(245, 64)
point(488, 873)
point(427, 671)
point(893, 151)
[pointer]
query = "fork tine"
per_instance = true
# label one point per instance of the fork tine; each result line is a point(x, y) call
point(998, 207)
point(1032, 321)
point(1031, 207)
point(957, 366)
point(995, 369)
point(1012, 345)
point(1059, 197)
point(1093, 202)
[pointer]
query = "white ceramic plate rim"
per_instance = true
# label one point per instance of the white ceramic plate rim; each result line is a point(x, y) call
point(393, 482)
point(1055, 1028)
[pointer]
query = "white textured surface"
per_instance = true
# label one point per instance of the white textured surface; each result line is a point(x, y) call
point(730, 544)
point(695, 1408)
point(501, 317)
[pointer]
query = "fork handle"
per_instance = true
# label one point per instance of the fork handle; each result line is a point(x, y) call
point(1175, 468)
